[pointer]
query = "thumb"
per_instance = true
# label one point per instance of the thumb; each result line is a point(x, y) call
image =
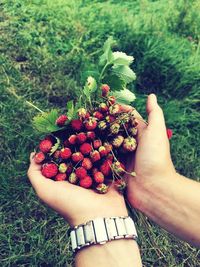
point(155, 114)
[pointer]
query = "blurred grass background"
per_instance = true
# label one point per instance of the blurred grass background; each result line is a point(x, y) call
point(45, 49)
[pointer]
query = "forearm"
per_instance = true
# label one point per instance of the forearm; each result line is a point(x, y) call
point(117, 253)
point(175, 205)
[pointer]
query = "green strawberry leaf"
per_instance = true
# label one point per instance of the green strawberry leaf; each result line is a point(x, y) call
point(107, 56)
point(120, 58)
point(70, 109)
point(46, 122)
point(124, 96)
point(114, 81)
point(124, 72)
point(55, 147)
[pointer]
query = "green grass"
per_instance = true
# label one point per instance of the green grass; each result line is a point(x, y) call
point(45, 50)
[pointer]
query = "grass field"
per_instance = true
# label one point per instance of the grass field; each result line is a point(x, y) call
point(46, 47)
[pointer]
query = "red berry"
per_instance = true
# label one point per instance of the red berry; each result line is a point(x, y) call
point(86, 182)
point(81, 137)
point(61, 120)
point(65, 153)
point(86, 163)
point(110, 118)
point(115, 109)
point(103, 107)
point(91, 123)
point(110, 157)
point(95, 156)
point(105, 89)
point(49, 170)
point(111, 100)
point(61, 177)
point(129, 144)
point(91, 135)
point(117, 141)
point(85, 148)
point(99, 177)
point(56, 154)
point(107, 146)
point(76, 125)
point(94, 170)
point(97, 143)
point(39, 157)
point(169, 133)
point(45, 146)
point(106, 167)
point(77, 156)
point(98, 115)
point(81, 172)
point(102, 150)
point(72, 139)
point(118, 168)
point(102, 188)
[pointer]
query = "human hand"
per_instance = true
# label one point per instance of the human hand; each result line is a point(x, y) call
point(152, 162)
point(76, 204)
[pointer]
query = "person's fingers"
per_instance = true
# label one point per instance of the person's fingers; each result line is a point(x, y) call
point(155, 114)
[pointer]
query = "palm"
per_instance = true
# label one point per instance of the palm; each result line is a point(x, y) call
point(74, 203)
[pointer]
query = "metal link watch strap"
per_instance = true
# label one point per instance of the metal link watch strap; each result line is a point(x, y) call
point(102, 230)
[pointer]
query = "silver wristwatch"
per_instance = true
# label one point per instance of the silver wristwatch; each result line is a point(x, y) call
point(102, 230)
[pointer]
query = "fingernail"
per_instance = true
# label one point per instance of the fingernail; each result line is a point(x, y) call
point(153, 98)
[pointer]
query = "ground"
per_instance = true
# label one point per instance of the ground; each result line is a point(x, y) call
point(46, 50)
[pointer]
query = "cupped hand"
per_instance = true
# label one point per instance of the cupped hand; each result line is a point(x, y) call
point(152, 162)
point(76, 204)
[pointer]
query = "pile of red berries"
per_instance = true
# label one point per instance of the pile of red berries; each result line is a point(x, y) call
point(92, 147)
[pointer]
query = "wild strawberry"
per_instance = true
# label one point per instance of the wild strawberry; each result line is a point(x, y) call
point(110, 118)
point(103, 107)
point(91, 123)
point(111, 100)
point(134, 122)
point(73, 178)
point(62, 167)
point(102, 188)
point(95, 156)
point(114, 128)
point(86, 163)
point(106, 167)
point(102, 125)
point(81, 172)
point(98, 115)
point(105, 89)
point(77, 156)
point(103, 152)
point(115, 109)
point(118, 168)
point(56, 154)
point(65, 153)
point(82, 113)
point(85, 148)
point(110, 157)
point(91, 135)
point(76, 125)
point(61, 177)
point(99, 177)
point(39, 157)
point(81, 137)
point(72, 139)
point(129, 144)
point(107, 146)
point(117, 141)
point(45, 146)
point(120, 184)
point(169, 133)
point(133, 131)
point(49, 170)
point(61, 120)
point(94, 170)
point(86, 182)
point(97, 143)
